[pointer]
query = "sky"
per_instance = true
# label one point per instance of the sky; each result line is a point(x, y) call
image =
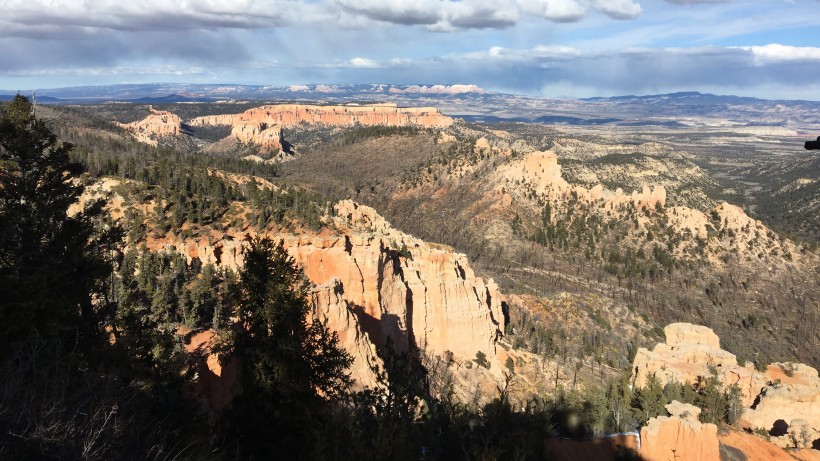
point(551, 48)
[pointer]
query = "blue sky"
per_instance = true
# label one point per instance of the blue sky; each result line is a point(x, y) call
point(552, 48)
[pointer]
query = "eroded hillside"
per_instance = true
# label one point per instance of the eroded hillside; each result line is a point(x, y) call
point(592, 262)
point(666, 253)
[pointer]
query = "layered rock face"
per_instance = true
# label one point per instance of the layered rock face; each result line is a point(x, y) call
point(687, 356)
point(157, 124)
point(374, 282)
point(268, 138)
point(788, 404)
point(402, 287)
point(330, 307)
point(679, 436)
point(774, 399)
point(287, 115)
point(542, 172)
point(263, 125)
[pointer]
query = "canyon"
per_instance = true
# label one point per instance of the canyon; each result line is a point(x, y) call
point(262, 127)
point(371, 282)
point(549, 245)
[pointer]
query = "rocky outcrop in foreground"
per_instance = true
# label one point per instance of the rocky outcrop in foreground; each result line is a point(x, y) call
point(784, 398)
point(374, 282)
point(679, 436)
point(401, 287)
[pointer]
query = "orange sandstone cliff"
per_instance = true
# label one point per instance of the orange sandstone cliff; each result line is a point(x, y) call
point(679, 436)
point(263, 125)
point(157, 124)
point(286, 115)
point(374, 282)
point(783, 399)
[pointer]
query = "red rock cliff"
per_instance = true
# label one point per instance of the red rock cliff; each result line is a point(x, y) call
point(679, 436)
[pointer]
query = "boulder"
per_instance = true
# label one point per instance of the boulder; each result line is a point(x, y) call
point(792, 393)
point(684, 334)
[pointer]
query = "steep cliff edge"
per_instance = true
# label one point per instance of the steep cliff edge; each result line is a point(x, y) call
point(262, 126)
point(372, 282)
point(416, 293)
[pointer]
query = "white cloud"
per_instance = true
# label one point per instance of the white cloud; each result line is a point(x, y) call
point(412, 12)
point(453, 15)
point(773, 53)
point(86, 16)
point(612, 71)
point(554, 10)
point(618, 9)
point(364, 63)
point(69, 19)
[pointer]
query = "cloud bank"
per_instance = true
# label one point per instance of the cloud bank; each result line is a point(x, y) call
point(549, 47)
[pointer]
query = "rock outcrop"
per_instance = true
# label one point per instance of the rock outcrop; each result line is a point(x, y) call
point(773, 399)
point(691, 353)
point(157, 124)
point(542, 173)
point(375, 282)
point(268, 138)
point(788, 404)
point(679, 436)
point(288, 115)
point(330, 307)
point(262, 126)
point(402, 287)
point(217, 376)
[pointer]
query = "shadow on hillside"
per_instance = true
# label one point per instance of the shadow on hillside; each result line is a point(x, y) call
point(620, 447)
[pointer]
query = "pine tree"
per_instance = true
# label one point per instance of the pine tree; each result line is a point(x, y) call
point(651, 400)
point(290, 365)
point(285, 355)
point(49, 259)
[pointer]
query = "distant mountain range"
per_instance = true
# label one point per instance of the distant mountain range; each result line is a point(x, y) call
point(474, 103)
point(187, 92)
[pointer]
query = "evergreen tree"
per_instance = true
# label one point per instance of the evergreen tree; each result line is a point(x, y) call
point(290, 365)
point(49, 259)
point(284, 354)
point(651, 400)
